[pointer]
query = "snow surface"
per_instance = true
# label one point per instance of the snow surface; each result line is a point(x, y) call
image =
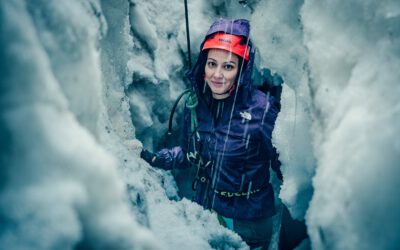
point(84, 84)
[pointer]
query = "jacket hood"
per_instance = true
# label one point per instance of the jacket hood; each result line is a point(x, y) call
point(240, 27)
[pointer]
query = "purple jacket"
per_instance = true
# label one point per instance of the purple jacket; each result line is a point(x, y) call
point(234, 141)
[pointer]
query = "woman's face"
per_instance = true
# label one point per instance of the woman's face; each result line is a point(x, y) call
point(220, 72)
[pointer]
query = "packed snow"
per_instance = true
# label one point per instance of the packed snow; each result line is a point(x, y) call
point(86, 84)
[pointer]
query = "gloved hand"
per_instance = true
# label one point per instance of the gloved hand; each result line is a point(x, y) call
point(148, 156)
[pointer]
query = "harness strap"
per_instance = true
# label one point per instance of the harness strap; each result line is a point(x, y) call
point(236, 194)
point(239, 194)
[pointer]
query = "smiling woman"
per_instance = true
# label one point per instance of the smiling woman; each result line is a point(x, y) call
point(228, 137)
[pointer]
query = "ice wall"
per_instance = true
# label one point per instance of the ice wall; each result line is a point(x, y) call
point(354, 50)
point(60, 188)
point(339, 117)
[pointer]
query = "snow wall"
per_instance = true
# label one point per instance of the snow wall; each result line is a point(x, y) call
point(84, 83)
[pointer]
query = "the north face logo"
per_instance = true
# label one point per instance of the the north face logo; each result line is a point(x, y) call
point(245, 115)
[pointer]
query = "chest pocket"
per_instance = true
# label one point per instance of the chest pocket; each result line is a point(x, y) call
point(242, 140)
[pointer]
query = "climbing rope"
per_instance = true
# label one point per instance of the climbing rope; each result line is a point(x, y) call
point(191, 104)
point(192, 95)
point(171, 115)
point(188, 34)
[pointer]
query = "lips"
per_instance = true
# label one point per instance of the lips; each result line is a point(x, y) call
point(218, 84)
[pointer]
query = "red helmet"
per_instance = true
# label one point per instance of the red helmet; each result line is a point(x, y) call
point(228, 42)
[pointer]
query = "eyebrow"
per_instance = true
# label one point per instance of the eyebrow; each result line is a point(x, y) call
point(210, 58)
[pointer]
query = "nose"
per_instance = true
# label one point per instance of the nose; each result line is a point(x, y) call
point(218, 73)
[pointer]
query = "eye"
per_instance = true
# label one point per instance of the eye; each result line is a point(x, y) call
point(228, 67)
point(211, 64)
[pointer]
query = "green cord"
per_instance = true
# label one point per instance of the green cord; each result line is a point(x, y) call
point(191, 103)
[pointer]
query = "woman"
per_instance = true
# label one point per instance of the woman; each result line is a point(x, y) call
point(227, 136)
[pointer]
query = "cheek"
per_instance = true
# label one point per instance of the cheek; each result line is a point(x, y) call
point(207, 73)
point(231, 77)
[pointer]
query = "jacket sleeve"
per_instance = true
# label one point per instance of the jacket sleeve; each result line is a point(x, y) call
point(268, 125)
point(170, 158)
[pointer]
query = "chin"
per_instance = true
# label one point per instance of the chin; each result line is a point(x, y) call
point(218, 90)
